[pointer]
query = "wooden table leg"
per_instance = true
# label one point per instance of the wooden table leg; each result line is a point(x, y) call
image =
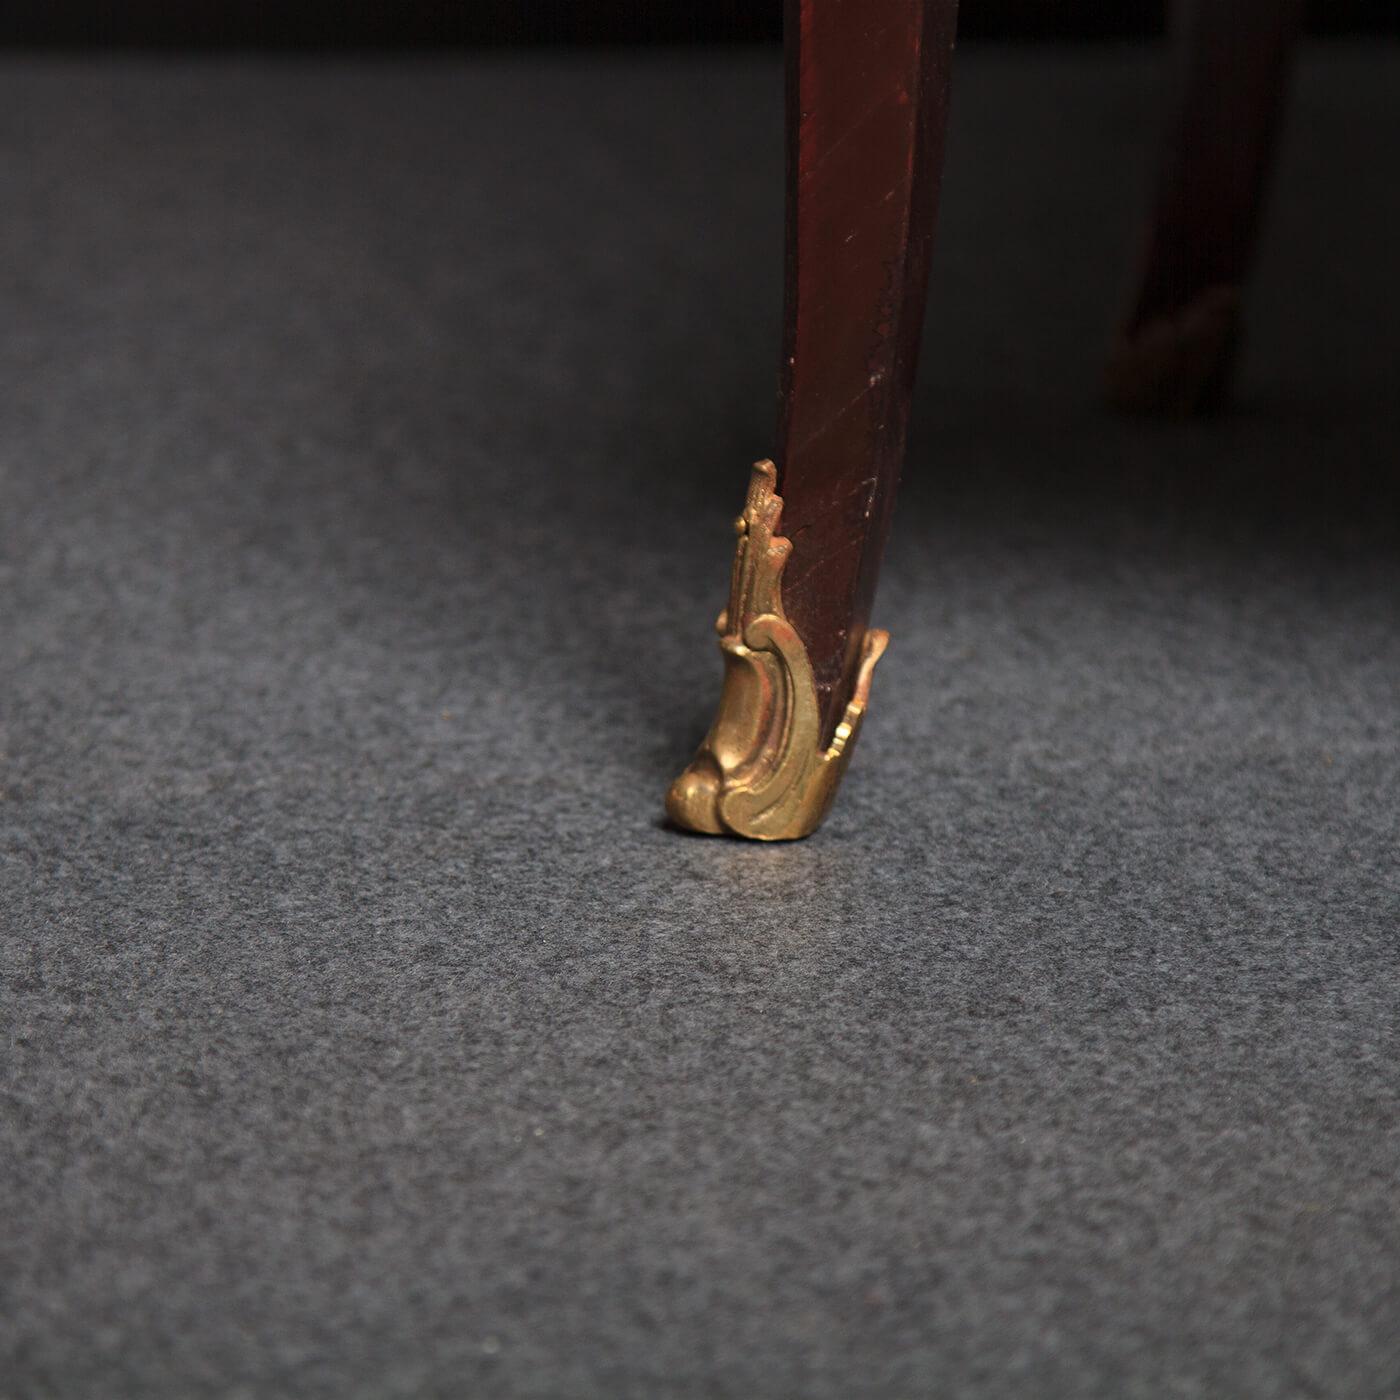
point(867, 107)
point(1174, 353)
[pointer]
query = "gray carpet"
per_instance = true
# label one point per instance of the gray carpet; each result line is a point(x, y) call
point(370, 436)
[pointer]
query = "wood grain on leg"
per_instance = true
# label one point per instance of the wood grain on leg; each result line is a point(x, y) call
point(867, 107)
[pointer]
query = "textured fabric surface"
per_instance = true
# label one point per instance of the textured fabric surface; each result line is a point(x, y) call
point(370, 436)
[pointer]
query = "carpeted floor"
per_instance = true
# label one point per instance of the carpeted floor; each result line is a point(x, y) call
point(368, 441)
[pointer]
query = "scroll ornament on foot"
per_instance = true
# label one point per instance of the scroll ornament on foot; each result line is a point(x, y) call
point(761, 771)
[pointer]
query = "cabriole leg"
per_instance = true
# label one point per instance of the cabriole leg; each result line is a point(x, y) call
point(867, 93)
point(1174, 352)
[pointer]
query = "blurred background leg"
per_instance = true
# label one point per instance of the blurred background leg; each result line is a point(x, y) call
point(1174, 353)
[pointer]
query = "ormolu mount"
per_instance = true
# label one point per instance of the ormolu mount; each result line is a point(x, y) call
point(761, 771)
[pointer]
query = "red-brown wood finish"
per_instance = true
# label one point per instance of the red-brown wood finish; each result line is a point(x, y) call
point(1233, 60)
point(867, 107)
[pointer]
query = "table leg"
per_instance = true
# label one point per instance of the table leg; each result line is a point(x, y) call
point(867, 108)
point(1175, 350)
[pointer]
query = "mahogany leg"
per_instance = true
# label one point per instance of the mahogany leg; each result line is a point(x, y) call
point(1174, 352)
point(868, 85)
point(867, 89)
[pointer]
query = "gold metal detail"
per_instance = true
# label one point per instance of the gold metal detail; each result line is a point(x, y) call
point(761, 772)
